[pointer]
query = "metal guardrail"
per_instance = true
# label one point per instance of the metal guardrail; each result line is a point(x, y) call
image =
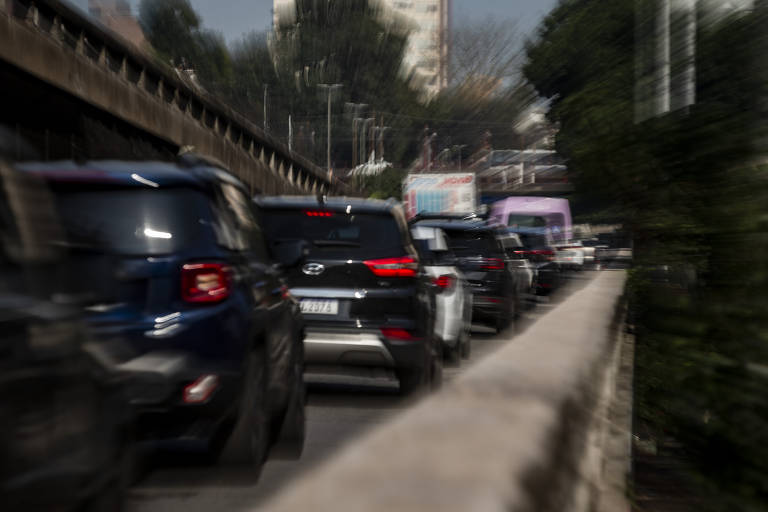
point(56, 20)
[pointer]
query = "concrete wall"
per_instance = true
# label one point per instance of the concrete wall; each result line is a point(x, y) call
point(55, 44)
point(529, 428)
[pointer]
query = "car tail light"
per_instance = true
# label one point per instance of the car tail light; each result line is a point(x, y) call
point(205, 282)
point(544, 253)
point(201, 389)
point(444, 282)
point(396, 333)
point(393, 267)
point(314, 213)
point(492, 264)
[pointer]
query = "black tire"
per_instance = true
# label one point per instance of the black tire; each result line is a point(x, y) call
point(466, 345)
point(436, 366)
point(453, 354)
point(249, 440)
point(412, 380)
point(290, 441)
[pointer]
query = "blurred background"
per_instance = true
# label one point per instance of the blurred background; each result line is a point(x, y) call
point(649, 116)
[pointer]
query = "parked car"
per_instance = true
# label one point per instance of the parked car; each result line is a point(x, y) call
point(481, 257)
point(170, 260)
point(66, 431)
point(453, 303)
point(538, 248)
point(366, 297)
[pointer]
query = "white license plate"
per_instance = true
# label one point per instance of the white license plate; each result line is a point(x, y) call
point(319, 307)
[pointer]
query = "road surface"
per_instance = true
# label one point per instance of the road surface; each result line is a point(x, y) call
point(339, 409)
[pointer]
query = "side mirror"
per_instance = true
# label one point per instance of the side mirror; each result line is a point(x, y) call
point(290, 253)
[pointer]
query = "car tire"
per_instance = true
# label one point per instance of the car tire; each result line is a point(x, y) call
point(453, 354)
point(412, 380)
point(290, 440)
point(436, 367)
point(466, 345)
point(249, 440)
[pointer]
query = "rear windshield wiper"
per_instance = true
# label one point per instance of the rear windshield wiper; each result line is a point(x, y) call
point(335, 243)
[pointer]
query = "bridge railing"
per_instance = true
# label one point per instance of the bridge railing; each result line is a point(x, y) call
point(58, 44)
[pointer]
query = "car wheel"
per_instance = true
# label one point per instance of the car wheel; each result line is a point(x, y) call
point(412, 380)
point(290, 443)
point(248, 442)
point(436, 377)
point(466, 345)
point(453, 354)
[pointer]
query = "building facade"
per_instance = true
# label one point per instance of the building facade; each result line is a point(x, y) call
point(427, 56)
point(117, 16)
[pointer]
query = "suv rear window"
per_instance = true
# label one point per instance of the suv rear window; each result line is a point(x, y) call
point(472, 242)
point(336, 234)
point(133, 221)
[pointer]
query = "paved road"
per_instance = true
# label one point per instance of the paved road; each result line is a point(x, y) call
point(339, 410)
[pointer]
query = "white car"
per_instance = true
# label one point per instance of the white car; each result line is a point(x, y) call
point(571, 255)
point(453, 300)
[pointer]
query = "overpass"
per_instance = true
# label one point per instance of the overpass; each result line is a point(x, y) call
point(74, 89)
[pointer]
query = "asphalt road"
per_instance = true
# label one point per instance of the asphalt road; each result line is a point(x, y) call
point(340, 409)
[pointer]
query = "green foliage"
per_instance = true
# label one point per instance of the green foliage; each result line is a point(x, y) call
point(687, 187)
point(174, 30)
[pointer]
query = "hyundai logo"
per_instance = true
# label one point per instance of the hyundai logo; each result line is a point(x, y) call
point(313, 269)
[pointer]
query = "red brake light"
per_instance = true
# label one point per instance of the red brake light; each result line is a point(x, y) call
point(205, 282)
point(397, 333)
point(444, 282)
point(393, 267)
point(492, 264)
point(312, 213)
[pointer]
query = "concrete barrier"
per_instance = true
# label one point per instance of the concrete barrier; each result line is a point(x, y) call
point(528, 428)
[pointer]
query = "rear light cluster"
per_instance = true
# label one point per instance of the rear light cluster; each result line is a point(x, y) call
point(492, 264)
point(396, 333)
point(205, 282)
point(318, 214)
point(201, 389)
point(393, 267)
point(546, 253)
point(444, 282)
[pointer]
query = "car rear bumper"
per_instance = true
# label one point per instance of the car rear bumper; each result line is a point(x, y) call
point(155, 388)
point(367, 348)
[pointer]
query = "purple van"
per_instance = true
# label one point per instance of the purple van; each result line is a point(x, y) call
point(533, 213)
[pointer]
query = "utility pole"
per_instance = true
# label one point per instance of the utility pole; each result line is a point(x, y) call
point(355, 107)
point(330, 88)
point(290, 133)
point(266, 88)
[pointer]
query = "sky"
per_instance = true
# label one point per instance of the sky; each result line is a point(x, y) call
point(236, 17)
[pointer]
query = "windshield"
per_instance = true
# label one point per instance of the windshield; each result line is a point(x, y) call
point(133, 221)
point(472, 242)
point(336, 234)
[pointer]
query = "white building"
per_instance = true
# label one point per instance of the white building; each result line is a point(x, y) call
point(427, 56)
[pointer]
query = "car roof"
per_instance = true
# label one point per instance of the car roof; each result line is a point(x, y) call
point(334, 203)
point(154, 174)
point(457, 225)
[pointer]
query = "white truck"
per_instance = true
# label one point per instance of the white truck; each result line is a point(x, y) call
point(454, 192)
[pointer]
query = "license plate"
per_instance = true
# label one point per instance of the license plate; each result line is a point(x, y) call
point(319, 307)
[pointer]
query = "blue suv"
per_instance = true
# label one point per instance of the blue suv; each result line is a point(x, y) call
point(176, 281)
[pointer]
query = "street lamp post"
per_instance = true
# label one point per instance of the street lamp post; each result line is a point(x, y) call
point(364, 131)
point(330, 88)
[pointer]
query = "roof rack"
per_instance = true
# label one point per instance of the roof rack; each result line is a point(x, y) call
point(458, 217)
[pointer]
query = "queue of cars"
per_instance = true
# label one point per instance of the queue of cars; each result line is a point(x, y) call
point(181, 309)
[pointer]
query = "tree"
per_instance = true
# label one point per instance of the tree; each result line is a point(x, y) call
point(686, 186)
point(486, 54)
point(174, 30)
